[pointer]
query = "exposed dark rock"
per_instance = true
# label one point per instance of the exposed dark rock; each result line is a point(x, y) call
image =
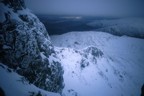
point(15, 4)
point(142, 90)
point(91, 53)
point(26, 47)
point(84, 63)
point(35, 94)
point(94, 51)
point(2, 92)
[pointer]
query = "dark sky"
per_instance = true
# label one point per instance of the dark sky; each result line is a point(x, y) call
point(87, 7)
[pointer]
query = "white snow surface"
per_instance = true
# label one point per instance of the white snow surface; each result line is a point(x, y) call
point(118, 72)
point(15, 85)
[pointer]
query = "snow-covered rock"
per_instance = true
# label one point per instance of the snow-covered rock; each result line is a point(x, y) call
point(13, 84)
point(26, 47)
point(110, 66)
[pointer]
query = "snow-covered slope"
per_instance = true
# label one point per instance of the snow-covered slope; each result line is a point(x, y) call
point(124, 26)
point(110, 66)
point(15, 85)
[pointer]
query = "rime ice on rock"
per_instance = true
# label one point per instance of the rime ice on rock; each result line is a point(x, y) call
point(23, 42)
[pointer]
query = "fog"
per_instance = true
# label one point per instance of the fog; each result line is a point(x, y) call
point(87, 7)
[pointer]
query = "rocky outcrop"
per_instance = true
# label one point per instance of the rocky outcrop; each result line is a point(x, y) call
point(2, 92)
point(15, 4)
point(142, 90)
point(25, 46)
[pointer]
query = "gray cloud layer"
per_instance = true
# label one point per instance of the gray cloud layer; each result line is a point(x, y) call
point(86, 7)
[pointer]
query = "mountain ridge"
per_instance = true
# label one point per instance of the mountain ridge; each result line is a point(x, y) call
point(117, 71)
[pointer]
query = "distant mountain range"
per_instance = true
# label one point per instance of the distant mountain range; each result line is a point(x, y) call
point(59, 24)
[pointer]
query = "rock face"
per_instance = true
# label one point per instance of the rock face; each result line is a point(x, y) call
point(2, 92)
point(25, 46)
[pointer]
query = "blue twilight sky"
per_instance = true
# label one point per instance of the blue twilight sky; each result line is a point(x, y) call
point(87, 7)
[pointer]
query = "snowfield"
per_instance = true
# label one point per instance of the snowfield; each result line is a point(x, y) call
point(100, 64)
